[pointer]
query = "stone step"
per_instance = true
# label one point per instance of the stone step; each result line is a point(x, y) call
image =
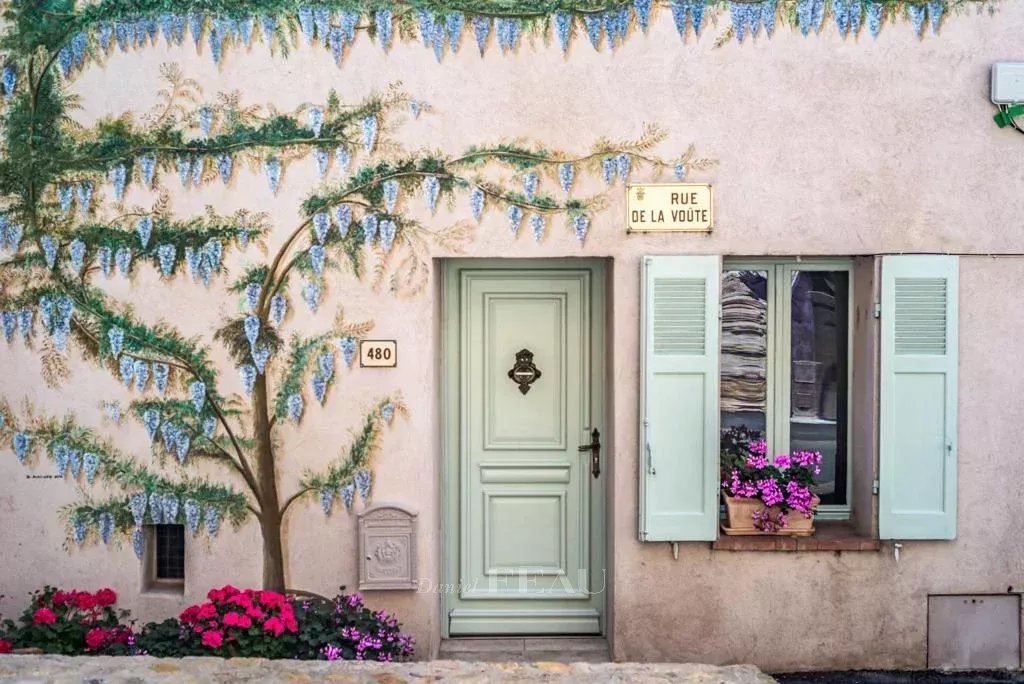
point(526, 649)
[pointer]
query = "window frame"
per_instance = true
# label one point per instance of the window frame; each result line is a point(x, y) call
point(150, 581)
point(778, 404)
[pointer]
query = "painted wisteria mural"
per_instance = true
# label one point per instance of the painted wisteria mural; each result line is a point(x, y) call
point(67, 234)
point(69, 239)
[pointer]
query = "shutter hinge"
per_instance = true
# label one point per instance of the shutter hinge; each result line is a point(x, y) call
point(874, 486)
point(877, 312)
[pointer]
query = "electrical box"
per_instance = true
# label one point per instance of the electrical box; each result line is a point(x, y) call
point(973, 632)
point(1008, 83)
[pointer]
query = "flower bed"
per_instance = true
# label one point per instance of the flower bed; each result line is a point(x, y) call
point(232, 622)
point(70, 623)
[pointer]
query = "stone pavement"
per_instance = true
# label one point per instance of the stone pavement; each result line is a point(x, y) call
point(141, 669)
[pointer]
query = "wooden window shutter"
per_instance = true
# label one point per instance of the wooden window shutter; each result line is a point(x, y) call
point(679, 398)
point(918, 402)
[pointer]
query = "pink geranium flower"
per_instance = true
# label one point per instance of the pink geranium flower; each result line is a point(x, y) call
point(44, 616)
point(213, 639)
point(274, 626)
point(783, 481)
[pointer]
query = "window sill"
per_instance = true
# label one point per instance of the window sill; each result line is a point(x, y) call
point(828, 536)
point(164, 588)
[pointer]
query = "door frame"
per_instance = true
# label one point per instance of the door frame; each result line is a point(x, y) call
point(450, 446)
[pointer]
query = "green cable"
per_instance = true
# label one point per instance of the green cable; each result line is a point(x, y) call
point(1006, 116)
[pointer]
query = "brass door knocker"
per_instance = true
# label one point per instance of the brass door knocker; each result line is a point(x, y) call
point(524, 373)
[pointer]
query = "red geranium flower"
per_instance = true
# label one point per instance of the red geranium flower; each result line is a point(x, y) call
point(61, 598)
point(206, 611)
point(85, 601)
point(5, 646)
point(106, 597)
point(213, 639)
point(44, 616)
point(274, 626)
point(271, 599)
point(240, 600)
point(233, 619)
point(95, 637)
point(189, 615)
point(254, 612)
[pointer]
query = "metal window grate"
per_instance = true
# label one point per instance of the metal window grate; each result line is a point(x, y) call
point(170, 551)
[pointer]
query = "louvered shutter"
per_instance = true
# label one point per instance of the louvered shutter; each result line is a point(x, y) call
point(918, 402)
point(679, 398)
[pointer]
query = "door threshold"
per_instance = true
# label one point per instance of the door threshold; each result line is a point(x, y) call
point(559, 649)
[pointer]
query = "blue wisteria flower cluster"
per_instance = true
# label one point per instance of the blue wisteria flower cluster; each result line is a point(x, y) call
point(347, 345)
point(55, 313)
point(441, 30)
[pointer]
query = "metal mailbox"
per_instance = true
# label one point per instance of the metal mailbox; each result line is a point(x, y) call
point(387, 548)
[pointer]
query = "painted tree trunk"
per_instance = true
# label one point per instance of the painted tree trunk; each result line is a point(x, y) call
point(273, 554)
point(270, 510)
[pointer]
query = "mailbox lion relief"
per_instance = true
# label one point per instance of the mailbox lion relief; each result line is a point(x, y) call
point(387, 548)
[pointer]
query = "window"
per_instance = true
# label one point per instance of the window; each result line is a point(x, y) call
point(785, 363)
point(165, 557)
point(779, 363)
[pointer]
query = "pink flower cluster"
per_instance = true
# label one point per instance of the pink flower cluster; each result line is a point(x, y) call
point(782, 483)
point(771, 494)
point(808, 459)
point(230, 612)
point(800, 498)
point(763, 520)
point(734, 486)
point(758, 459)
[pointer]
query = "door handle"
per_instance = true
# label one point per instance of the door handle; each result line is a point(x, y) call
point(595, 452)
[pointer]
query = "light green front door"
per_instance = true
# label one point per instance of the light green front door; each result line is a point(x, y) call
point(529, 558)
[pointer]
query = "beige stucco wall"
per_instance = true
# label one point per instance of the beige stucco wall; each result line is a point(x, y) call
point(825, 147)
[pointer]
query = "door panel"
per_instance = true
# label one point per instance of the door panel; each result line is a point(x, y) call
point(526, 495)
point(513, 420)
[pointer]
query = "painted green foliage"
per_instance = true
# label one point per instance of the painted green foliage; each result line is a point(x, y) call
point(65, 230)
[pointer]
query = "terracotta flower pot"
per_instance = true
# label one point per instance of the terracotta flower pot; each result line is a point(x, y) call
point(740, 518)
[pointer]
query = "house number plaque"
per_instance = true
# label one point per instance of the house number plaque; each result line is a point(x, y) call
point(378, 353)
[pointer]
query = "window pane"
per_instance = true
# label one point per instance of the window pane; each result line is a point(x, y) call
point(818, 375)
point(744, 381)
point(170, 551)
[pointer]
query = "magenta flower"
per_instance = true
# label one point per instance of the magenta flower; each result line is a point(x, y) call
point(782, 483)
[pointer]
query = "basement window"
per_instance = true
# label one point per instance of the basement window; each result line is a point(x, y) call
point(164, 558)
